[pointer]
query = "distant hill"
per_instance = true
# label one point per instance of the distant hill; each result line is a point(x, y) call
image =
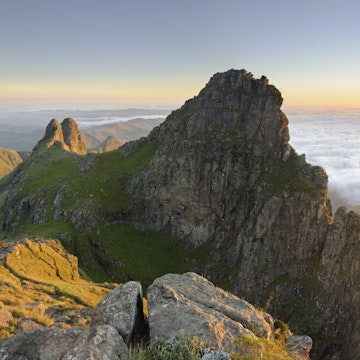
point(124, 131)
point(9, 160)
point(21, 130)
point(109, 144)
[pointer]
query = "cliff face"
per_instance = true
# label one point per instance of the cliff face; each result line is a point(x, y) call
point(224, 176)
point(225, 179)
point(66, 135)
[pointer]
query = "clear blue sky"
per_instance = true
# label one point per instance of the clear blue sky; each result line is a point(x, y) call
point(63, 52)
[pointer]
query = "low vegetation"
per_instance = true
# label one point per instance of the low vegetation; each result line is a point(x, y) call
point(187, 348)
point(259, 348)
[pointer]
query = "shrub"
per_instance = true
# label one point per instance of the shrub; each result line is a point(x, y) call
point(259, 348)
point(176, 348)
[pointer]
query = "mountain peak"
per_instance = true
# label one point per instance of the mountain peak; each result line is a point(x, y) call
point(66, 134)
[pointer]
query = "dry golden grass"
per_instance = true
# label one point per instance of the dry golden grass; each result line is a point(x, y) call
point(43, 271)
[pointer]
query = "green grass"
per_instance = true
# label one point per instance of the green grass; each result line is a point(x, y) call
point(123, 252)
point(143, 255)
point(259, 348)
point(285, 177)
point(177, 348)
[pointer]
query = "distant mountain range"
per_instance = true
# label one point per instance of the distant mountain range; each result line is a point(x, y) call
point(21, 130)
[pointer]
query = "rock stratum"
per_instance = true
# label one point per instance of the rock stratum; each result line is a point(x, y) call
point(218, 189)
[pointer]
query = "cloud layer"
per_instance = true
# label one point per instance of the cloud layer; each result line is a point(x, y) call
point(331, 140)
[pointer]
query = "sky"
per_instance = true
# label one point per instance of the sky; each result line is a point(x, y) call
point(160, 53)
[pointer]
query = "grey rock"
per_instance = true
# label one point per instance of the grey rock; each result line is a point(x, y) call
point(98, 343)
point(192, 305)
point(121, 308)
point(215, 355)
point(26, 325)
point(5, 318)
point(299, 346)
point(201, 291)
point(40, 344)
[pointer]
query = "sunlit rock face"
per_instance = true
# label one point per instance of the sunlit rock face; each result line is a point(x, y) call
point(66, 135)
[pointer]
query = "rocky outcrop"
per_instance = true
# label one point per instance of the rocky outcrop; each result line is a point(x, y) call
point(208, 311)
point(185, 304)
point(98, 343)
point(66, 135)
point(122, 308)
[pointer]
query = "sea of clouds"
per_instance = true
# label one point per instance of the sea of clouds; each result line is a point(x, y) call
point(331, 140)
point(107, 120)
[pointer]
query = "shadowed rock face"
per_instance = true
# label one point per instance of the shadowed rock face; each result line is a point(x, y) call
point(66, 135)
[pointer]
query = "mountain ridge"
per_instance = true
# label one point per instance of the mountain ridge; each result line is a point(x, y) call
point(234, 201)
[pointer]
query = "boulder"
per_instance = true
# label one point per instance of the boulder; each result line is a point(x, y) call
point(36, 307)
point(210, 354)
point(121, 308)
point(192, 305)
point(5, 318)
point(98, 343)
point(26, 325)
point(43, 343)
point(299, 346)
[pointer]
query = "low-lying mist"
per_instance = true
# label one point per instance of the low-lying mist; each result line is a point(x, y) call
point(331, 140)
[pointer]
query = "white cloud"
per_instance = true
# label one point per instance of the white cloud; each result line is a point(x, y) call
point(106, 120)
point(333, 142)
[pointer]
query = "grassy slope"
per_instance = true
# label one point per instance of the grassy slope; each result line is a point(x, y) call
point(9, 159)
point(40, 270)
point(107, 249)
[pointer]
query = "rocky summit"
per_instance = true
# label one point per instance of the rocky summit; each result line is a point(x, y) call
point(218, 189)
point(66, 135)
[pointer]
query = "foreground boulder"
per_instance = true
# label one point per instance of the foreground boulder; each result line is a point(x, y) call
point(190, 303)
point(122, 308)
point(98, 343)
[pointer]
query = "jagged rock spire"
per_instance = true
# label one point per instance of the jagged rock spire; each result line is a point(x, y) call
point(66, 135)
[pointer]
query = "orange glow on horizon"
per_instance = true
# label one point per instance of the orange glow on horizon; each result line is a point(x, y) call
point(161, 93)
